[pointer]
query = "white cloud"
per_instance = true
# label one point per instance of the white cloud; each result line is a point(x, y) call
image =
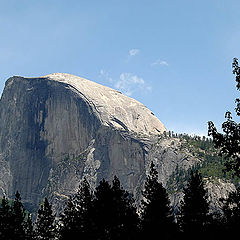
point(160, 62)
point(105, 75)
point(129, 83)
point(133, 52)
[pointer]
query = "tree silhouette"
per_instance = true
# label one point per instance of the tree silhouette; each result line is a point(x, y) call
point(6, 226)
point(29, 233)
point(194, 211)
point(156, 213)
point(126, 214)
point(18, 216)
point(69, 221)
point(228, 142)
point(13, 224)
point(45, 224)
point(77, 216)
point(231, 210)
point(114, 212)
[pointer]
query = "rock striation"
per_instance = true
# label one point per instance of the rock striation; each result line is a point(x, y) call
point(59, 128)
point(56, 129)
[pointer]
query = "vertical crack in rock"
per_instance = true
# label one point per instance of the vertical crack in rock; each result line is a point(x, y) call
point(57, 129)
point(91, 166)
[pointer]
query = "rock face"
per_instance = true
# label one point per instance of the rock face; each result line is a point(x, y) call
point(56, 129)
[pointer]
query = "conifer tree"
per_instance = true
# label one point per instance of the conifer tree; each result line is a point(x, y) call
point(28, 227)
point(156, 213)
point(114, 212)
point(103, 210)
point(127, 220)
point(69, 221)
point(45, 224)
point(18, 218)
point(77, 217)
point(12, 219)
point(194, 212)
point(6, 227)
point(84, 207)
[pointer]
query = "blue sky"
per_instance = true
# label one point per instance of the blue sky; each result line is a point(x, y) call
point(174, 56)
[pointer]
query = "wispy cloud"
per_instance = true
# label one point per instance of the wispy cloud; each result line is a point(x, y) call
point(105, 75)
point(160, 62)
point(127, 83)
point(133, 52)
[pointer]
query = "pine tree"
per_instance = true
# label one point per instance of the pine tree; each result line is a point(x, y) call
point(127, 220)
point(103, 208)
point(45, 224)
point(18, 217)
point(84, 205)
point(194, 212)
point(28, 227)
point(76, 219)
point(114, 212)
point(69, 221)
point(6, 226)
point(12, 219)
point(156, 213)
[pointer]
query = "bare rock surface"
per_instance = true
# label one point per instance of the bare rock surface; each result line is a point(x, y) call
point(112, 107)
point(57, 129)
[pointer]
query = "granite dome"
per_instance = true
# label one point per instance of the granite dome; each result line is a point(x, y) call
point(112, 107)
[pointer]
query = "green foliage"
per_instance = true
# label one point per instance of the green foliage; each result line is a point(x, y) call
point(201, 143)
point(211, 164)
point(228, 142)
point(177, 181)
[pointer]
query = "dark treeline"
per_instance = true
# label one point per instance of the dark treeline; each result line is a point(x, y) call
point(110, 212)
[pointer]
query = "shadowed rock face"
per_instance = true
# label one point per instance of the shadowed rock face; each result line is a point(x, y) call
point(57, 129)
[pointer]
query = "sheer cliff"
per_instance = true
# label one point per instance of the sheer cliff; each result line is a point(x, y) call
point(57, 129)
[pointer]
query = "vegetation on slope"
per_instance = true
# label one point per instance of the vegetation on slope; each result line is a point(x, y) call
point(211, 165)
